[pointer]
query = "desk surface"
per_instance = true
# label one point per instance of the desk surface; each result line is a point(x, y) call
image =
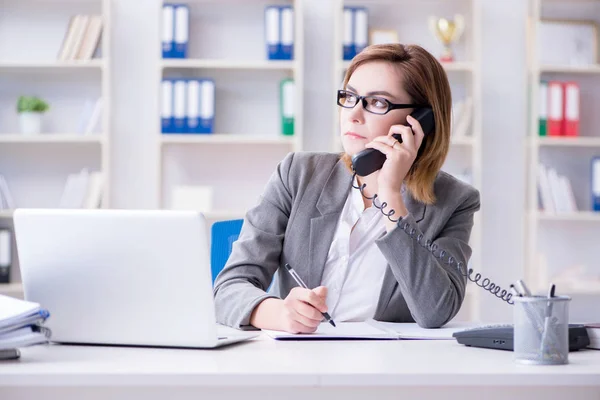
point(265, 362)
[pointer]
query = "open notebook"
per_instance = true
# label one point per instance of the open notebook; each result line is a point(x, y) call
point(374, 330)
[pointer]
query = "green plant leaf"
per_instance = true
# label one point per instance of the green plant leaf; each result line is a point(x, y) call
point(31, 104)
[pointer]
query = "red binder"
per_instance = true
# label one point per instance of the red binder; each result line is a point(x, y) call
point(555, 108)
point(571, 109)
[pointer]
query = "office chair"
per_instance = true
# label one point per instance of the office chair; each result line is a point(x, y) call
point(222, 236)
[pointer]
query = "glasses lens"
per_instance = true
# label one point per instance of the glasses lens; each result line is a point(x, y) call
point(346, 99)
point(376, 105)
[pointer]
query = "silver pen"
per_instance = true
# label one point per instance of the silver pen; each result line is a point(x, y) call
point(300, 282)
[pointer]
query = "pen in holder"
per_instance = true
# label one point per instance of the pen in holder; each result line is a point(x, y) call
point(541, 330)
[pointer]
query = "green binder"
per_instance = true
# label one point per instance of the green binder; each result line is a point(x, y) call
point(543, 108)
point(286, 106)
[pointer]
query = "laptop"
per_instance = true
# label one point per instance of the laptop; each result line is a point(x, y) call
point(121, 277)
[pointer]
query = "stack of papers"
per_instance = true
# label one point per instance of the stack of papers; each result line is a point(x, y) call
point(374, 330)
point(20, 323)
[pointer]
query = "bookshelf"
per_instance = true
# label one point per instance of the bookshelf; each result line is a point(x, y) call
point(558, 243)
point(247, 119)
point(36, 166)
point(410, 21)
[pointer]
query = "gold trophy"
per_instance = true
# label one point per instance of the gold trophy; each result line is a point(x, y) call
point(447, 31)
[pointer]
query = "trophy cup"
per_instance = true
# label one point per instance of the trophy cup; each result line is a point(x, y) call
point(447, 31)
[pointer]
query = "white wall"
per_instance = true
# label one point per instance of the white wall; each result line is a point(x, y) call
point(504, 119)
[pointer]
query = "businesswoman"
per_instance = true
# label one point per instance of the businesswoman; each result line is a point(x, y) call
point(356, 263)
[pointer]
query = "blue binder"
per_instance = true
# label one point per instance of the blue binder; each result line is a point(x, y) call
point(286, 33)
point(179, 106)
point(166, 112)
point(272, 32)
point(193, 104)
point(223, 235)
point(348, 33)
point(168, 30)
point(181, 31)
point(361, 29)
point(207, 106)
point(595, 183)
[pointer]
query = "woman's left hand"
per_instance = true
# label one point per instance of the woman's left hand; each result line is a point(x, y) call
point(399, 156)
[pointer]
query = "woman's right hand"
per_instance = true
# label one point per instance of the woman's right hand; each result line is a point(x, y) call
point(302, 309)
point(299, 312)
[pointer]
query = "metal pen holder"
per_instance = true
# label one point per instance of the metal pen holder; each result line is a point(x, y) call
point(541, 330)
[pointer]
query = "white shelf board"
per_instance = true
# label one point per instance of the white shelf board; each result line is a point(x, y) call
point(578, 141)
point(588, 216)
point(11, 288)
point(224, 138)
point(51, 138)
point(46, 66)
point(228, 64)
point(566, 69)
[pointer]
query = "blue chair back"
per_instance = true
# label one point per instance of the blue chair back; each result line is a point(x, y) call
point(222, 236)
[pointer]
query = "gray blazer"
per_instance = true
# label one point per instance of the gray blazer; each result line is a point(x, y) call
point(295, 220)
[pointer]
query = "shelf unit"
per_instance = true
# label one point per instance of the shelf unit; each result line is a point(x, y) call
point(247, 119)
point(411, 23)
point(36, 167)
point(555, 241)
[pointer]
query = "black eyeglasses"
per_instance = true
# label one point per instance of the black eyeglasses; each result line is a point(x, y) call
point(373, 104)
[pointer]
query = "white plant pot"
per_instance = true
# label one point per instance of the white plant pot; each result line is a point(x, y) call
point(30, 123)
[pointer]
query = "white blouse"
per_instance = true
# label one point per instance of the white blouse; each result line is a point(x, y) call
point(355, 267)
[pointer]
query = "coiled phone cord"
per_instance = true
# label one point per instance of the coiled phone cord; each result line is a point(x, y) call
point(484, 283)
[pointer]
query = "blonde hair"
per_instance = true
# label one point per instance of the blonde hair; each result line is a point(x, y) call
point(426, 82)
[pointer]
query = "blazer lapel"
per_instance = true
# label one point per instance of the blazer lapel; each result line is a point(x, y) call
point(322, 228)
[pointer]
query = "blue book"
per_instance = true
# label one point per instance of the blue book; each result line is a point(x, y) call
point(168, 30)
point(166, 111)
point(272, 32)
point(286, 25)
point(595, 184)
point(207, 106)
point(179, 106)
point(182, 31)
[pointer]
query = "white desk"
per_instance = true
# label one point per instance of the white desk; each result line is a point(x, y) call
point(265, 369)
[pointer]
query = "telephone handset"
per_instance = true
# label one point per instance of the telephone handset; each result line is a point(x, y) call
point(370, 160)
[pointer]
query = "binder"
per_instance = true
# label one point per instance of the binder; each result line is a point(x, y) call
point(168, 30)
point(286, 101)
point(361, 29)
point(348, 37)
point(179, 103)
point(543, 108)
point(5, 255)
point(207, 106)
point(166, 112)
point(595, 184)
point(571, 109)
point(193, 106)
point(287, 33)
point(272, 29)
point(555, 108)
point(182, 31)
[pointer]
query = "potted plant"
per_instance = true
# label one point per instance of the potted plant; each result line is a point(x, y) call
point(30, 109)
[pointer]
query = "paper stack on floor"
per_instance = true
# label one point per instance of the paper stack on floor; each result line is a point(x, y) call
point(20, 323)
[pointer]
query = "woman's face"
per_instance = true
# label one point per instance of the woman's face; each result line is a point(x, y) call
point(358, 126)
